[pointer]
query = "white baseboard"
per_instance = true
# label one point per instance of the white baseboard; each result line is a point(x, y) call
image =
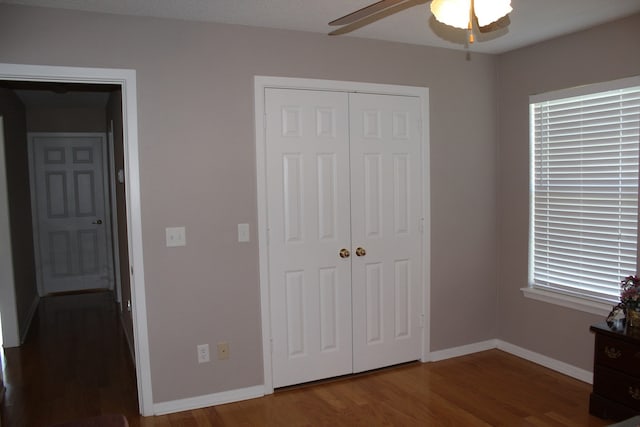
point(540, 359)
point(208, 400)
point(462, 350)
point(29, 318)
point(547, 362)
point(127, 337)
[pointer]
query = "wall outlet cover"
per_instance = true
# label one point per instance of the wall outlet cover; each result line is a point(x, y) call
point(176, 236)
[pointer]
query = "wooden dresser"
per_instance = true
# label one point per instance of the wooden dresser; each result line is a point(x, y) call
point(616, 373)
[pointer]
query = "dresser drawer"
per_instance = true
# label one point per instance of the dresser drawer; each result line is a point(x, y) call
point(617, 354)
point(616, 386)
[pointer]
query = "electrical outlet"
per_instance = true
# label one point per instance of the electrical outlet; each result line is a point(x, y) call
point(243, 232)
point(175, 236)
point(223, 350)
point(203, 353)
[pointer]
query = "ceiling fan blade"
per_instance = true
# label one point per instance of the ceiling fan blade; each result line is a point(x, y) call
point(368, 19)
point(365, 12)
point(496, 25)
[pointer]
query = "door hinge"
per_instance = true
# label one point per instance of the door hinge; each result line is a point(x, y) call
point(422, 320)
point(264, 121)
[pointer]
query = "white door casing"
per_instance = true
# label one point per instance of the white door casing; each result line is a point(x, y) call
point(308, 194)
point(126, 79)
point(72, 234)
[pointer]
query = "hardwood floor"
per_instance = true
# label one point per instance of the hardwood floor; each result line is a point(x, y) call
point(75, 364)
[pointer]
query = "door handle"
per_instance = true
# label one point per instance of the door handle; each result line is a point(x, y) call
point(361, 252)
point(98, 221)
point(344, 253)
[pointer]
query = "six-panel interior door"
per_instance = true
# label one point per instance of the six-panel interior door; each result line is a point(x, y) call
point(344, 203)
point(386, 229)
point(70, 207)
point(308, 215)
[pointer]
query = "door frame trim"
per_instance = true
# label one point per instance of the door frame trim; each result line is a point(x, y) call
point(261, 83)
point(126, 79)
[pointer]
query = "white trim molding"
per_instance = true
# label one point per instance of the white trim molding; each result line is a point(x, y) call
point(463, 350)
point(126, 79)
point(523, 353)
point(29, 318)
point(548, 362)
point(208, 400)
point(568, 301)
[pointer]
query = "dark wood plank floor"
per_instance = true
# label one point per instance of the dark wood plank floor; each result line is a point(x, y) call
point(75, 364)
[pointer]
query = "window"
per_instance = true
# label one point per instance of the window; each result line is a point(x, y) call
point(584, 190)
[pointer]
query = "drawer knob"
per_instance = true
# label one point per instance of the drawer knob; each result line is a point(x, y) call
point(612, 352)
point(634, 392)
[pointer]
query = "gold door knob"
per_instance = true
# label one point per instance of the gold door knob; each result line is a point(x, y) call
point(344, 253)
point(361, 252)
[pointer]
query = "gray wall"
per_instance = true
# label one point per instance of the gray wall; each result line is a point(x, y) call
point(603, 53)
point(17, 169)
point(197, 162)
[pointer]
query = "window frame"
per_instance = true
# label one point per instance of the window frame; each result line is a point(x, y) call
point(557, 296)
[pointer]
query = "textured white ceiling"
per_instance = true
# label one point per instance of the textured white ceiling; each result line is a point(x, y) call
point(531, 20)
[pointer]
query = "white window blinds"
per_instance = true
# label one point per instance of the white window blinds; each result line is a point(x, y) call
point(584, 219)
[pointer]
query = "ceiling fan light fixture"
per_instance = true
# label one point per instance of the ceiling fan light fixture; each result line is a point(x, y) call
point(452, 12)
point(488, 11)
point(456, 12)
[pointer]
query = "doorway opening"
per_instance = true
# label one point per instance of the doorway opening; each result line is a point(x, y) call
point(120, 87)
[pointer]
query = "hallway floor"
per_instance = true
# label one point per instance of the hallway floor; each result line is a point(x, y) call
point(75, 363)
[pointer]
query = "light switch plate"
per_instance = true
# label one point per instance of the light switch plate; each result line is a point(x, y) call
point(176, 236)
point(243, 232)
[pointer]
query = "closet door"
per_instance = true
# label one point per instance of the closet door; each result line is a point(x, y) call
point(386, 206)
point(309, 223)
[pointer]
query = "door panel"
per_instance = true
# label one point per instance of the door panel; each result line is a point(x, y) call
point(343, 172)
point(386, 204)
point(308, 217)
point(70, 212)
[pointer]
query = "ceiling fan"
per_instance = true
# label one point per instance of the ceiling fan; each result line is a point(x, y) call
point(485, 15)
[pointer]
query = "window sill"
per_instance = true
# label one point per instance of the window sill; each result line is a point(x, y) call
point(569, 301)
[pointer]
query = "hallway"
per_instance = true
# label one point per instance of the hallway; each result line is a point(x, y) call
point(74, 364)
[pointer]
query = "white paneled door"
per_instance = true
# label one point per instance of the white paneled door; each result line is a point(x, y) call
point(344, 225)
point(308, 210)
point(70, 212)
point(386, 229)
